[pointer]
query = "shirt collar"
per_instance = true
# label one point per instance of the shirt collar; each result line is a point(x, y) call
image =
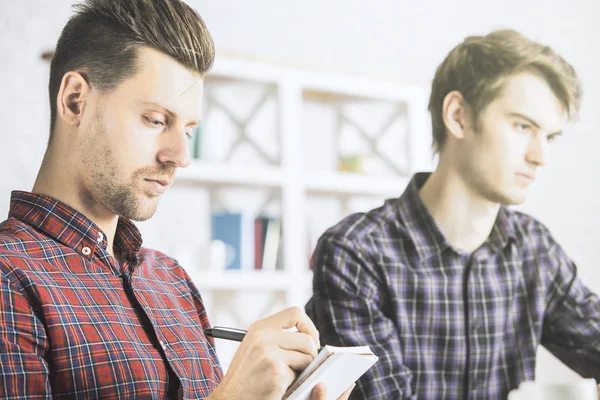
point(429, 241)
point(68, 226)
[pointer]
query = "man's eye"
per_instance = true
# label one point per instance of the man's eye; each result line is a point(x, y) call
point(523, 127)
point(155, 123)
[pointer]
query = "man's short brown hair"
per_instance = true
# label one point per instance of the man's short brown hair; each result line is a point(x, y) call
point(479, 67)
point(102, 38)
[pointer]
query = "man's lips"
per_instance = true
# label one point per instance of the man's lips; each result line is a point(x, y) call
point(528, 176)
point(159, 185)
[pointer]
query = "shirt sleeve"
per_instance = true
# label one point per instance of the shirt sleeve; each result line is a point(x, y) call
point(349, 308)
point(24, 372)
point(572, 319)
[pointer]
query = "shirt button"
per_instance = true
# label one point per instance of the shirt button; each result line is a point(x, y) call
point(86, 250)
point(100, 237)
point(163, 345)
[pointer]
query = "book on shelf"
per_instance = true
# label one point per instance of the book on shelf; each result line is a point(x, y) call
point(196, 145)
point(257, 242)
point(268, 243)
point(235, 229)
point(337, 367)
point(272, 240)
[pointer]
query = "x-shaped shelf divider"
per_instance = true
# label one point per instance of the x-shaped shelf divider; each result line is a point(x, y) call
point(242, 125)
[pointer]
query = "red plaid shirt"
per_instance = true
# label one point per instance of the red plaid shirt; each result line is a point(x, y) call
point(75, 323)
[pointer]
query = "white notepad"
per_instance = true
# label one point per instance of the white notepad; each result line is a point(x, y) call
point(336, 367)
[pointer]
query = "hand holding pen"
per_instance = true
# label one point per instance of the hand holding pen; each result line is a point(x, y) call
point(234, 334)
point(266, 362)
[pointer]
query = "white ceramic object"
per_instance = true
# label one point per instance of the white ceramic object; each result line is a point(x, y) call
point(584, 389)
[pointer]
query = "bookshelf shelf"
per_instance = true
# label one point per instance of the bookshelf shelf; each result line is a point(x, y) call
point(244, 280)
point(211, 173)
point(344, 183)
point(332, 183)
point(252, 280)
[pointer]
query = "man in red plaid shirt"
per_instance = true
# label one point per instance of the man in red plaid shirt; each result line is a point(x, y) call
point(85, 311)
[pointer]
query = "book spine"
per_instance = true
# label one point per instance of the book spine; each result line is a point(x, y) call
point(259, 244)
point(272, 239)
point(228, 227)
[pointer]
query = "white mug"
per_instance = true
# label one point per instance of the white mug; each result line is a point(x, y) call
point(583, 389)
point(221, 255)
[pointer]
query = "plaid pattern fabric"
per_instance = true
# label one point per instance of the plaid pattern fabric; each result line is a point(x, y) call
point(446, 324)
point(74, 323)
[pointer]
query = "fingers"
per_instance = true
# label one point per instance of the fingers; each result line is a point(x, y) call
point(295, 360)
point(285, 375)
point(319, 392)
point(292, 317)
point(293, 349)
point(305, 325)
point(296, 341)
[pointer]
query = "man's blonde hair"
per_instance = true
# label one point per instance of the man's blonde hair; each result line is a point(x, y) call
point(479, 67)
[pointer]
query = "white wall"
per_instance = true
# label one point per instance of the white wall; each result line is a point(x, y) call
point(400, 40)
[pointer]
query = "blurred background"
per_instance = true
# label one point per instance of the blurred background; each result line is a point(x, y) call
point(315, 109)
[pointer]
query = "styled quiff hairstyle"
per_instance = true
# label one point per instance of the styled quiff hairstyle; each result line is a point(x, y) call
point(102, 38)
point(480, 66)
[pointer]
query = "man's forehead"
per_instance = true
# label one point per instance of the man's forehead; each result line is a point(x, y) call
point(171, 86)
point(531, 95)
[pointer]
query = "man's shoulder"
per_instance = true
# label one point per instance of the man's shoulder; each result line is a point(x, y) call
point(378, 222)
point(534, 238)
point(379, 234)
point(17, 241)
point(529, 229)
point(12, 230)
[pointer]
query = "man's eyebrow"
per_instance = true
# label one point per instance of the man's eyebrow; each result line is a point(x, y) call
point(555, 134)
point(170, 113)
point(525, 117)
point(163, 108)
point(532, 122)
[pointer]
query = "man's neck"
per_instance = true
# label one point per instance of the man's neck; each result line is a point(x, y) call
point(464, 217)
point(53, 181)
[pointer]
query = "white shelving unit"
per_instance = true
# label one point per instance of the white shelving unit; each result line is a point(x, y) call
point(293, 179)
point(293, 87)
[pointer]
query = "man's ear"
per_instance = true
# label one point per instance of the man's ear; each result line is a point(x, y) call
point(455, 115)
point(72, 98)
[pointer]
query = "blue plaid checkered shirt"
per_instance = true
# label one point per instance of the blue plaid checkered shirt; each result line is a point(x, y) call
point(447, 324)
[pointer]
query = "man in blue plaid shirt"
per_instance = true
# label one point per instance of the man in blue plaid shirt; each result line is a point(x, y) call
point(450, 288)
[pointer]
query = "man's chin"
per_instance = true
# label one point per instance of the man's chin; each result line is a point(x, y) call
point(506, 197)
point(145, 214)
point(513, 199)
point(140, 217)
point(142, 212)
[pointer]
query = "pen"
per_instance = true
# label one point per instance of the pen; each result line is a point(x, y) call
point(220, 332)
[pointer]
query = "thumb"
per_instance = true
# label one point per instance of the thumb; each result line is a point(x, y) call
point(319, 392)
